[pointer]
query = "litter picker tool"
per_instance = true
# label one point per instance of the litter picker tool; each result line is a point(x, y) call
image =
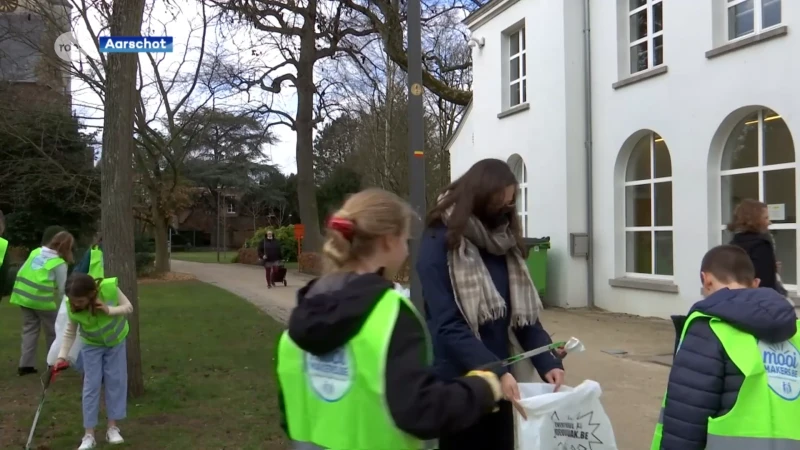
point(51, 374)
point(570, 346)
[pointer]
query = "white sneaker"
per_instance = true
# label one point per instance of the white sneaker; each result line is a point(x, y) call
point(113, 436)
point(87, 443)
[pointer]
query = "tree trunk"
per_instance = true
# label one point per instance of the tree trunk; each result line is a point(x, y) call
point(304, 127)
point(117, 175)
point(161, 229)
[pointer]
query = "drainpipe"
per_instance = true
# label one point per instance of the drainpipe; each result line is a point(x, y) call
point(587, 97)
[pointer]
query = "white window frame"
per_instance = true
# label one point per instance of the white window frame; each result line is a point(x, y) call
point(649, 37)
point(520, 170)
point(230, 207)
point(758, 22)
point(760, 169)
point(519, 36)
point(652, 181)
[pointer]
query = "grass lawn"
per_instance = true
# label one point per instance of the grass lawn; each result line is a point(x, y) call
point(211, 257)
point(207, 357)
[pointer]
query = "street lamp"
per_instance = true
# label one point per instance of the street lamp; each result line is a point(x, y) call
point(416, 138)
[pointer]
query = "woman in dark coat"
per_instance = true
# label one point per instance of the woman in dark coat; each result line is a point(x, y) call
point(479, 297)
point(751, 227)
point(269, 252)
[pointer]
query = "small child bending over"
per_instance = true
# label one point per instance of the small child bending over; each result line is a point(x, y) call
point(99, 307)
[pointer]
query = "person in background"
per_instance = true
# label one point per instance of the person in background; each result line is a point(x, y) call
point(99, 307)
point(351, 321)
point(729, 387)
point(39, 288)
point(92, 261)
point(269, 252)
point(480, 299)
point(750, 226)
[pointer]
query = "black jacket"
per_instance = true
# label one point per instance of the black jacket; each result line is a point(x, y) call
point(704, 382)
point(269, 250)
point(762, 254)
point(332, 310)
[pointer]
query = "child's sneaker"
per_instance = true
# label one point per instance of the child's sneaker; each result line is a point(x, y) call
point(113, 436)
point(87, 443)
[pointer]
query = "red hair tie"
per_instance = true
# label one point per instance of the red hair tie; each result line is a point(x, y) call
point(343, 226)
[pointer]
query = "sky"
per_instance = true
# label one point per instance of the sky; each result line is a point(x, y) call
point(186, 33)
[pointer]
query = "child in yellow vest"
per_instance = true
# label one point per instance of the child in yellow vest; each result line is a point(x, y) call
point(99, 307)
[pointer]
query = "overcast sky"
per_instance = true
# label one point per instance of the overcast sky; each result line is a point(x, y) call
point(185, 33)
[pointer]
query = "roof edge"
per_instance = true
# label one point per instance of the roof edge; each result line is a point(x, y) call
point(487, 12)
point(460, 126)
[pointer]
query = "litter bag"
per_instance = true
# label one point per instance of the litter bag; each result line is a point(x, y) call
point(61, 326)
point(570, 419)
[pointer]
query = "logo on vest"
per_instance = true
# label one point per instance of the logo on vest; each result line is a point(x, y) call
point(781, 364)
point(330, 375)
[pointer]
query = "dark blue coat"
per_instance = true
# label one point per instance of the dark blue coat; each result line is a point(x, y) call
point(456, 349)
point(704, 382)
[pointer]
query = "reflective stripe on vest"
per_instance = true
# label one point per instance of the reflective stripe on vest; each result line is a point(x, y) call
point(761, 419)
point(3, 248)
point(102, 330)
point(96, 269)
point(33, 289)
point(337, 401)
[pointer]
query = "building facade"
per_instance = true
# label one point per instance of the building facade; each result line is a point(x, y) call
point(691, 109)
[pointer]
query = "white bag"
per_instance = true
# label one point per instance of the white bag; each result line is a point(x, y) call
point(570, 419)
point(61, 326)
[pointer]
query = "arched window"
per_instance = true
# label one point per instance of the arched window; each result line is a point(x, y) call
point(648, 208)
point(758, 162)
point(521, 172)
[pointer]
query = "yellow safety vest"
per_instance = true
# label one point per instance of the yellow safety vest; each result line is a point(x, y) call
point(33, 289)
point(101, 329)
point(96, 269)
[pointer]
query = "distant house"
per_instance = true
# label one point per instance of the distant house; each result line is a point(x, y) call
point(30, 73)
point(200, 226)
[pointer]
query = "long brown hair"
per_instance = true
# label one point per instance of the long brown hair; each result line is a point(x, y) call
point(62, 243)
point(82, 291)
point(373, 213)
point(472, 194)
point(748, 216)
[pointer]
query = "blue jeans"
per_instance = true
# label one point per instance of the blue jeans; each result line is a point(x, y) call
point(104, 366)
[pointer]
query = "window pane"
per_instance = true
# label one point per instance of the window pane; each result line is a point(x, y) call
point(513, 69)
point(636, 3)
point(524, 64)
point(778, 143)
point(779, 189)
point(736, 188)
point(727, 236)
point(663, 162)
point(524, 91)
point(658, 50)
point(658, 17)
point(770, 13)
point(513, 41)
point(663, 253)
point(639, 57)
point(638, 249)
point(637, 205)
point(741, 149)
point(740, 19)
point(522, 37)
point(786, 253)
point(514, 94)
point(663, 206)
point(638, 25)
point(639, 161)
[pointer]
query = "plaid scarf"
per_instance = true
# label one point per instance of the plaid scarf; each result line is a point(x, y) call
point(475, 293)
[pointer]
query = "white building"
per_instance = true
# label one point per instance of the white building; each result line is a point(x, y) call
point(693, 107)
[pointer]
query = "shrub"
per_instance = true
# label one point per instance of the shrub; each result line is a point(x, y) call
point(247, 256)
point(284, 235)
point(144, 263)
point(310, 263)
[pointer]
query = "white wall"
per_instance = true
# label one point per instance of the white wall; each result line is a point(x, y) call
point(548, 136)
point(693, 107)
point(462, 145)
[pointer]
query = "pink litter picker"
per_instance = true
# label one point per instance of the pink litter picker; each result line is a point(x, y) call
point(47, 379)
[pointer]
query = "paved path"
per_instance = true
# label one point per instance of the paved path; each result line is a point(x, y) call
point(632, 386)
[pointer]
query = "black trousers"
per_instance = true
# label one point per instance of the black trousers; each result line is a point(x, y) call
point(494, 432)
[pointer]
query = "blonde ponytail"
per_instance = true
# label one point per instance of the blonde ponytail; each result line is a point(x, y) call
point(352, 232)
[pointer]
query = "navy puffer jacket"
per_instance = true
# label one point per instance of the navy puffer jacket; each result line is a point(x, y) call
point(704, 382)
